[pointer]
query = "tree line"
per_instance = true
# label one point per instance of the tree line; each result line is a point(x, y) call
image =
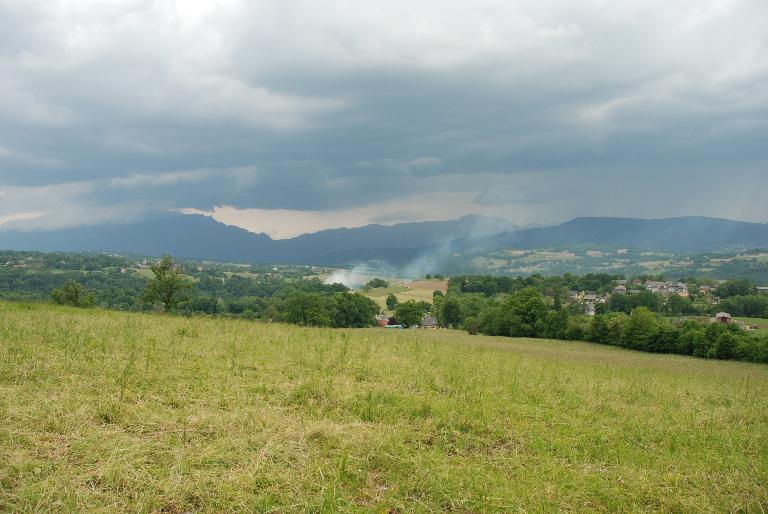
point(274, 298)
point(525, 313)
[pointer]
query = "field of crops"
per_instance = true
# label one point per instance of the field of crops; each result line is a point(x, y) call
point(109, 411)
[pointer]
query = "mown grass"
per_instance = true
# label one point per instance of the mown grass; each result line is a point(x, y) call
point(107, 411)
point(420, 290)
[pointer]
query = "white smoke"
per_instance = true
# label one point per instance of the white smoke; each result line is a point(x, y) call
point(352, 278)
point(430, 260)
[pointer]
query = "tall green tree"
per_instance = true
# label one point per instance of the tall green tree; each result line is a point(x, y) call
point(168, 285)
point(639, 329)
point(409, 313)
point(391, 302)
point(352, 310)
point(557, 303)
point(311, 309)
point(452, 312)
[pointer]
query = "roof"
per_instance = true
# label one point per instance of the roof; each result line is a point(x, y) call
point(722, 315)
point(428, 321)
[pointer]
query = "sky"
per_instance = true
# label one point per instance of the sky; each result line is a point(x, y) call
point(292, 116)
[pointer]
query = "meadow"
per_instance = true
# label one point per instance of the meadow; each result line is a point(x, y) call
point(111, 411)
point(404, 290)
point(762, 323)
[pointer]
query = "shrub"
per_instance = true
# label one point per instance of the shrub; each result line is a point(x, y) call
point(72, 293)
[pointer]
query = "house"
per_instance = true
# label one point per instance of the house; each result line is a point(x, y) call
point(620, 289)
point(654, 286)
point(762, 289)
point(428, 321)
point(577, 295)
point(678, 288)
point(589, 309)
point(590, 296)
point(722, 317)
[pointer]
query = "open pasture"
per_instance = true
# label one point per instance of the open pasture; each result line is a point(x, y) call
point(109, 411)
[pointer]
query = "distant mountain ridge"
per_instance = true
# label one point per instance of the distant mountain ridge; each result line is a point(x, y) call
point(681, 234)
point(201, 237)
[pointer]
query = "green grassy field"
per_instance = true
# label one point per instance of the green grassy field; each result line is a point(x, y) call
point(762, 323)
point(108, 411)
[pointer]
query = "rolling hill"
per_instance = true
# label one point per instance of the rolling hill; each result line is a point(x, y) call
point(683, 234)
point(201, 237)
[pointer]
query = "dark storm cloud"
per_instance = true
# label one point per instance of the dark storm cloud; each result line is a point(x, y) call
point(116, 109)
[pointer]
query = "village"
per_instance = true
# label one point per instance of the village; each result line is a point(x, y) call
point(588, 301)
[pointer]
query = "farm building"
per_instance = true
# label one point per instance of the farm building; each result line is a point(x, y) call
point(722, 317)
point(428, 321)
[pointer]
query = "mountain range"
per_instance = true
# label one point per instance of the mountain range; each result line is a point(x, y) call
point(202, 237)
point(683, 234)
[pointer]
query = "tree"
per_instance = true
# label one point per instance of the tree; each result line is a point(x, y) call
point(311, 309)
point(391, 302)
point(691, 340)
point(521, 313)
point(168, 286)
point(738, 287)
point(754, 306)
point(203, 304)
point(375, 283)
point(553, 325)
point(352, 310)
point(639, 329)
point(557, 303)
point(620, 303)
point(270, 313)
point(598, 329)
point(646, 299)
point(72, 293)
point(725, 346)
point(409, 313)
point(472, 325)
point(614, 325)
point(452, 312)
point(664, 339)
point(677, 305)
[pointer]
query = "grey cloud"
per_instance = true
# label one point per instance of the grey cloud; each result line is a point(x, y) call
point(155, 105)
